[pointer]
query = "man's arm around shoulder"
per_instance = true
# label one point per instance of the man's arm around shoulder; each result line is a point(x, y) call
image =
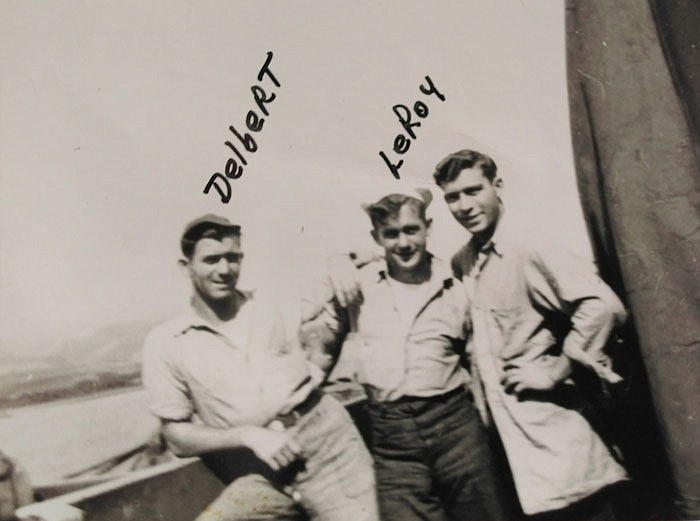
point(326, 313)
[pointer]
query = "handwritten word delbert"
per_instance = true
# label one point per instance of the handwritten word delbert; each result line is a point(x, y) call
point(402, 142)
point(254, 123)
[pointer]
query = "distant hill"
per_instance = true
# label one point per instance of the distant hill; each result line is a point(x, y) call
point(114, 343)
point(107, 358)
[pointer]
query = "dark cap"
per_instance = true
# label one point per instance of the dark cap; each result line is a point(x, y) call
point(194, 229)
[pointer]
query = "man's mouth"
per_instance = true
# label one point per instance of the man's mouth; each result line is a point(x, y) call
point(469, 219)
point(406, 256)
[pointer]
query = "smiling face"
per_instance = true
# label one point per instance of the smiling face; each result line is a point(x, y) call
point(474, 201)
point(214, 267)
point(404, 239)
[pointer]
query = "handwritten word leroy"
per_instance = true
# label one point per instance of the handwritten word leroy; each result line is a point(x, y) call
point(254, 123)
point(402, 142)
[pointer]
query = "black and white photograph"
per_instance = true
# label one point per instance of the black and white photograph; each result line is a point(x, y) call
point(349, 261)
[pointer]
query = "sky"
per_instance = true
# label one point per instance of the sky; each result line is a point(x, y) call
point(113, 117)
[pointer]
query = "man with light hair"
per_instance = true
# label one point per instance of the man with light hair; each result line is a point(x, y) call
point(405, 330)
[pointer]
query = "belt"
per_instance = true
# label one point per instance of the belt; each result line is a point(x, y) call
point(425, 399)
point(437, 398)
point(291, 418)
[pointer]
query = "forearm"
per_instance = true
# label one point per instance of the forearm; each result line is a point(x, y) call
point(323, 328)
point(592, 322)
point(566, 287)
point(321, 344)
point(592, 325)
point(275, 448)
point(190, 439)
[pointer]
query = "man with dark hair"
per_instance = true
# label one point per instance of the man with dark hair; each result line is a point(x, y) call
point(538, 313)
point(450, 167)
point(406, 332)
point(223, 376)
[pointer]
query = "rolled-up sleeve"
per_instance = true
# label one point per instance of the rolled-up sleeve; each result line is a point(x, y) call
point(560, 281)
point(323, 327)
point(167, 391)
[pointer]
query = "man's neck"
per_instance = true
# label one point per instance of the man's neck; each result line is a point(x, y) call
point(479, 240)
point(218, 311)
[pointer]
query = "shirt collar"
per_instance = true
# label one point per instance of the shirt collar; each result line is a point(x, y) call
point(498, 239)
point(190, 319)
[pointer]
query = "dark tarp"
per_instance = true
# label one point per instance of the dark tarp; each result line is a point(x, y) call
point(634, 89)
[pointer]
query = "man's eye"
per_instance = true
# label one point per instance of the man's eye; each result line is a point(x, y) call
point(451, 198)
point(390, 235)
point(234, 257)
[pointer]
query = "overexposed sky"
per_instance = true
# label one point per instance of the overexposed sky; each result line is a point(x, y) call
point(113, 116)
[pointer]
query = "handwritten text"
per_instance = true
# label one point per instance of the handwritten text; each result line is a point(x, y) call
point(254, 123)
point(402, 142)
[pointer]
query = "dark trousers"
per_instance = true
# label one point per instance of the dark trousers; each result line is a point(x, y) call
point(432, 460)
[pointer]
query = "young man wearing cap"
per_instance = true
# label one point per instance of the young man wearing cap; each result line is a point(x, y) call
point(223, 378)
point(537, 312)
point(406, 331)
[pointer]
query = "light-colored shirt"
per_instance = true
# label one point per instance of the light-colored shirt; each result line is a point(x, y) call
point(395, 354)
point(532, 301)
point(244, 372)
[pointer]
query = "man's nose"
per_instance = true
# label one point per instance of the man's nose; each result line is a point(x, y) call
point(403, 240)
point(223, 266)
point(466, 203)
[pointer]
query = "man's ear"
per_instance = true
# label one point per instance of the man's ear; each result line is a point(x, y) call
point(498, 184)
point(184, 266)
point(428, 225)
point(375, 236)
